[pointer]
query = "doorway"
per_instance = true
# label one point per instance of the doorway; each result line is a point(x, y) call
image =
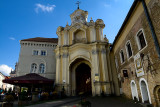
point(83, 79)
point(134, 91)
point(144, 92)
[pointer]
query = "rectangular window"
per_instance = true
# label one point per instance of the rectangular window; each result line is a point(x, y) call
point(43, 53)
point(141, 40)
point(129, 50)
point(125, 73)
point(35, 52)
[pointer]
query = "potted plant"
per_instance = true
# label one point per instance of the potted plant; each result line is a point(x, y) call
point(45, 96)
point(9, 101)
point(23, 98)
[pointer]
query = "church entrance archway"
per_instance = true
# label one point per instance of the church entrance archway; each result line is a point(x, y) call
point(81, 77)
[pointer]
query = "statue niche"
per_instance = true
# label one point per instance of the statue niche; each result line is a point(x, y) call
point(79, 36)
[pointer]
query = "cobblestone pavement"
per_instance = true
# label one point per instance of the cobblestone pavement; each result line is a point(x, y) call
point(95, 102)
point(106, 102)
point(57, 103)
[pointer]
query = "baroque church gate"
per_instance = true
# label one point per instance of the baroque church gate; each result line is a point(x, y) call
point(80, 73)
point(82, 57)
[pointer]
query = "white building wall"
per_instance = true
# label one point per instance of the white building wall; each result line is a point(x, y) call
point(26, 58)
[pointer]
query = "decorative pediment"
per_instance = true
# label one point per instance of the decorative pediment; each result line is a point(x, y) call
point(79, 16)
point(78, 26)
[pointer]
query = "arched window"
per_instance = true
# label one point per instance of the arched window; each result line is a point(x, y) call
point(33, 68)
point(41, 68)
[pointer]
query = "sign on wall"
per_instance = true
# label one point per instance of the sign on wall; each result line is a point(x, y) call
point(96, 77)
point(138, 65)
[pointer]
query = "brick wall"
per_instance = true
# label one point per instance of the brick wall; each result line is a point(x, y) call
point(152, 78)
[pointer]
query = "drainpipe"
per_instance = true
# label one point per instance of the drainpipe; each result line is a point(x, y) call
point(151, 27)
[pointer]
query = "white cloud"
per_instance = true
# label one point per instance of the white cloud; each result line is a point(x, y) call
point(107, 5)
point(5, 69)
point(44, 8)
point(12, 38)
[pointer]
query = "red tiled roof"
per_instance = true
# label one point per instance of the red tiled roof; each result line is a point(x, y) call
point(40, 39)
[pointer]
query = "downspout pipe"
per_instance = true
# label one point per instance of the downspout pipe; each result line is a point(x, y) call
point(151, 27)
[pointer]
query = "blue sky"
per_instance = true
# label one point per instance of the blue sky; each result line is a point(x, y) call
point(22, 19)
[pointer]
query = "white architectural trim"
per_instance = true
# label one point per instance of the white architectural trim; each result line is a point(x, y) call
point(142, 79)
point(132, 81)
point(116, 62)
point(80, 56)
point(138, 44)
point(121, 56)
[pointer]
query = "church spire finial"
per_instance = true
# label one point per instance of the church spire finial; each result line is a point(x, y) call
point(78, 2)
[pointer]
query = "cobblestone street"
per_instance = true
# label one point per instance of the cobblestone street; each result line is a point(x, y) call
point(106, 102)
point(95, 102)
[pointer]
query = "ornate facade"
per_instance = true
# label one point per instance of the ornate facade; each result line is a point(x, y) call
point(83, 61)
point(82, 44)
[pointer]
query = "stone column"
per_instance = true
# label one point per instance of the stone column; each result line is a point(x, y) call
point(65, 39)
point(92, 34)
point(65, 72)
point(101, 34)
point(105, 71)
point(95, 66)
point(58, 56)
point(59, 40)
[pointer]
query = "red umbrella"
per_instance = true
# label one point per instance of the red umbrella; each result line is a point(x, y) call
point(31, 78)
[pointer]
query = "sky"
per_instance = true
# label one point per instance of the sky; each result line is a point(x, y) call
point(23, 19)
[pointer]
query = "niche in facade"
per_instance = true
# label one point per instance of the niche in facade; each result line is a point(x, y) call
point(79, 36)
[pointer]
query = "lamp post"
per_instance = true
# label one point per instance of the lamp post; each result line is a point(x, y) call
point(63, 89)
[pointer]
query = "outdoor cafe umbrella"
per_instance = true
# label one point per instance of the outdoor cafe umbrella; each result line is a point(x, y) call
point(31, 79)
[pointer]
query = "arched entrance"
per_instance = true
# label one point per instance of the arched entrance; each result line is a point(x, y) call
point(157, 95)
point(144, 91)
point(134, 90)
point(83, 79)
